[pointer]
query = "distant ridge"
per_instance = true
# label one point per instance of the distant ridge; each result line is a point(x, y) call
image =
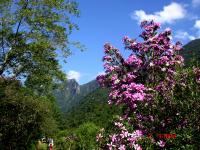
point(70, 93)
point(191, 51)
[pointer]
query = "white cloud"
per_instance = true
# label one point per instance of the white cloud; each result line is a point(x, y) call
point(169, 14)
point(73, 75)
point(195, 2)
point(197, 24)
point(183, 35)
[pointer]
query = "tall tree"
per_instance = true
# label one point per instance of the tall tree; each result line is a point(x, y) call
point(24, 116)
point(32, 35)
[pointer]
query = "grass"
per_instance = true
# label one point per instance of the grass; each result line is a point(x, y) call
point(41, 146)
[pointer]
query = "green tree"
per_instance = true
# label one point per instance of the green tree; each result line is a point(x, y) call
point(24, 116)
point(33, 34)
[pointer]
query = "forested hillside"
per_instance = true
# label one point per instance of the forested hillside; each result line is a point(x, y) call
point(191, 51)
point(93, 108)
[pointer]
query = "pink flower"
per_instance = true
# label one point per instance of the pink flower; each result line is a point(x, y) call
point(108, 67)
point(134, 60)
point(196, 72)
point(151, 118)
point(164, 60)
point(168, 31)
point(124, 134)
point(101, 79)
point(161, 143)
point(111, 145)
point(127, 94)
point(107, 58)
point(99, 137)
point(113, 138)
point(114, 94)
point(107, 48)
point(179, 59)
point(122, 147)
point(138, 96)
point(119, 124)
point(137, 147)
point(114, 77)
point(137, 87)
point(138, 133)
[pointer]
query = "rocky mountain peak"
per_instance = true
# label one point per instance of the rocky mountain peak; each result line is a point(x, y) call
point(73, 87)
point(72, 93)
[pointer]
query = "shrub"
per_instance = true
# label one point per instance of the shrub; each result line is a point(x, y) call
point(157, 95)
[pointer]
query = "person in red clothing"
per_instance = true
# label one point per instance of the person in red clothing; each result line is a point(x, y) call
point(50, 144)
point(50, 147)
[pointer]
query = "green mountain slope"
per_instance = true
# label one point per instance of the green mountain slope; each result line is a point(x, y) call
point(191, 51)
point(93, 108)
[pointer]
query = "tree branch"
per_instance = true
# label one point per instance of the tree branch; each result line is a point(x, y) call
point(2, 41)
point(6, 59)
point(20, 21)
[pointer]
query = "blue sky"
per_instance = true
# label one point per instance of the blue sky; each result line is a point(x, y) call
point(104, 21)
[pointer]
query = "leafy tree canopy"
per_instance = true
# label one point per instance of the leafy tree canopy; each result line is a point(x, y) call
point(32, 35)
point(25, 117)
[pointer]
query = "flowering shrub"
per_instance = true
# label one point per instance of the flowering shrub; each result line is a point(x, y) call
point(146, 86)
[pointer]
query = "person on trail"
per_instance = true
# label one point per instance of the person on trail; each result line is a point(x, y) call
point(51, 147)
point(50, 144)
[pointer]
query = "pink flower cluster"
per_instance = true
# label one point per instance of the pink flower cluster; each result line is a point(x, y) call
point(197, 74)
point(119, 140)
point(150, 67)
point(133, 60)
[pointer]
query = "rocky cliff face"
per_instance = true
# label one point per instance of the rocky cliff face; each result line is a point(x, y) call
point(73, 87)
point(88, 87)
point(70, 93)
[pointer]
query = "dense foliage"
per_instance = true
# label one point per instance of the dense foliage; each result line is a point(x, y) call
point(156, 94)
point(93, 108)
point(33, 33)
point(82, 137)
point(85, 119)
point(24, 116)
